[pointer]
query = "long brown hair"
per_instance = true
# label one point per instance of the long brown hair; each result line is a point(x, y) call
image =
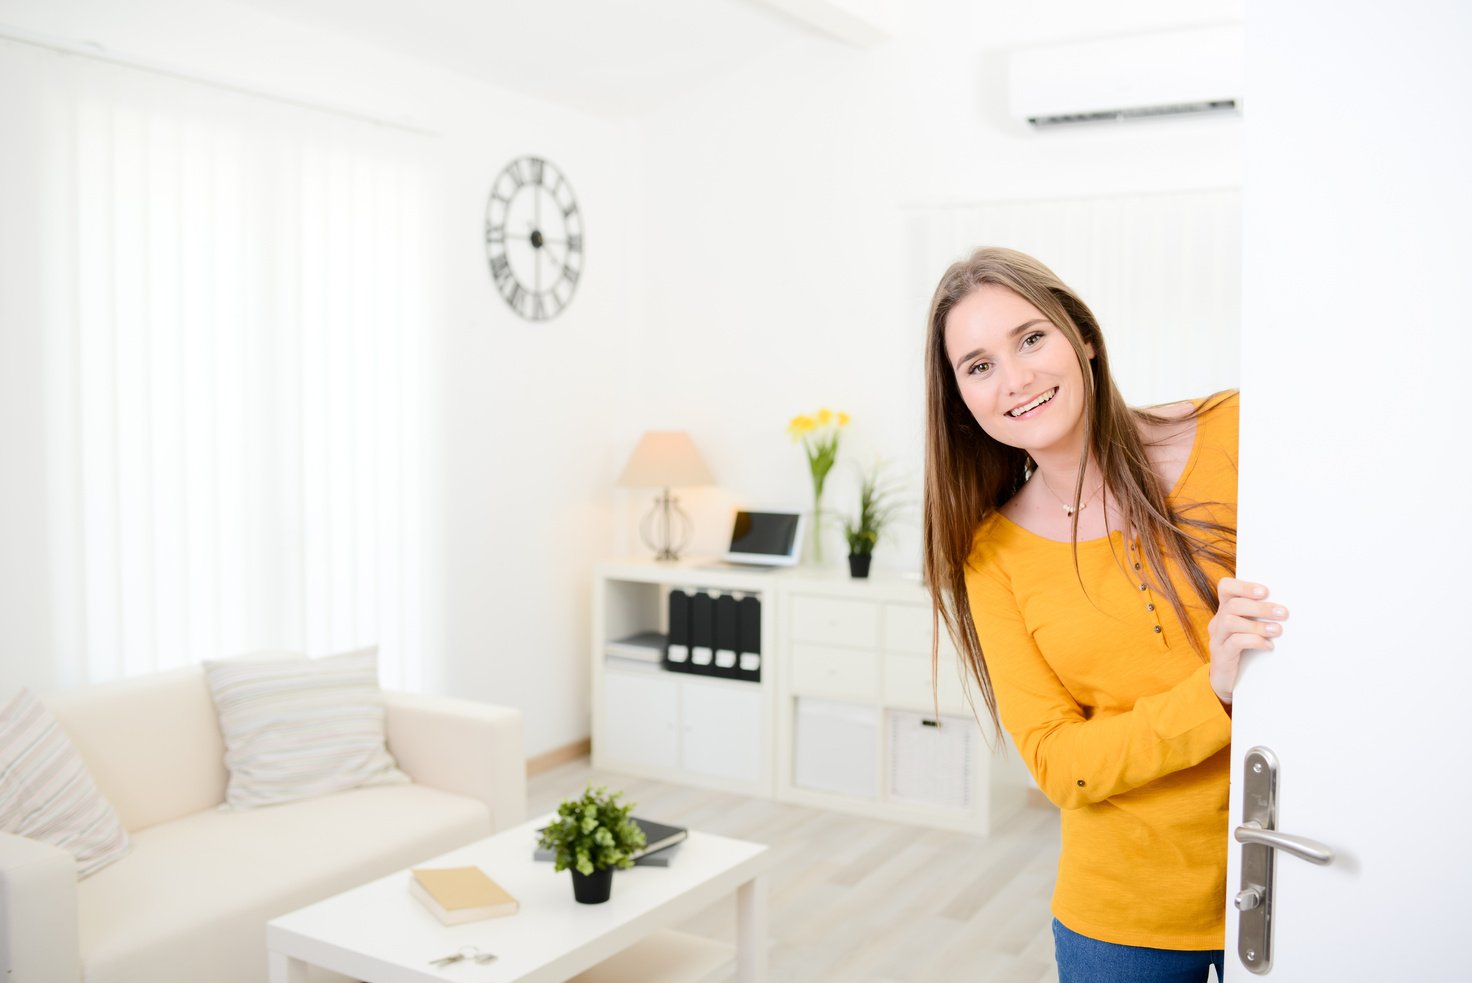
point(969, 475)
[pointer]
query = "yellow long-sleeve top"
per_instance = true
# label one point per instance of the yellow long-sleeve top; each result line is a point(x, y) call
point(1112, 710)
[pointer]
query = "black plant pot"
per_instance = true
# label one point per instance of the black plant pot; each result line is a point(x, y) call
point(858, 564)
point(594, 888)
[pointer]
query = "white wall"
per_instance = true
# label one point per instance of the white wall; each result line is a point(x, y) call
point(782, 275)
point(748, 260)
point(519, 462)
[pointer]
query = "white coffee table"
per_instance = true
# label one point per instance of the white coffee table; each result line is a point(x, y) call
point(380, 933)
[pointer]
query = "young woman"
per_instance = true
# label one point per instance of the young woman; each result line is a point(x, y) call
point(1081, 554)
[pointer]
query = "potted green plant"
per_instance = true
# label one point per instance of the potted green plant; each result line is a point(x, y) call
point(878, 506)
point(593, 836)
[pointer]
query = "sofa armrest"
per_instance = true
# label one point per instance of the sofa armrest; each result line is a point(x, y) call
point(461, 746)
point(38, 912)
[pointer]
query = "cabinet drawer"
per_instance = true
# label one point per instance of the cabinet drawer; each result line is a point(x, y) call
point(907, 629)
point(840, 673)
point(831, 621)
point(907, 683)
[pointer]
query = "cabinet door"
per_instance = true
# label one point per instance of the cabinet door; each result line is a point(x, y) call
point(641, 719)
point(725, 731)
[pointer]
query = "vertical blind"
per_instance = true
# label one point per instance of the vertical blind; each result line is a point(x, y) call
point(243, 353)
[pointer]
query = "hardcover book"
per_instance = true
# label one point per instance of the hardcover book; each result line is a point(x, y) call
point(658, 836)
point(460, 894)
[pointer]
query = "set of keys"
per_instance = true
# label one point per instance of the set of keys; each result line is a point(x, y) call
point(466, 953)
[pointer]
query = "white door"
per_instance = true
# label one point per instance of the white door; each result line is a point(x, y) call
point(1356, 487)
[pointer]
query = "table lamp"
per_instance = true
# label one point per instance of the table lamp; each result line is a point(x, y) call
point(665, 459)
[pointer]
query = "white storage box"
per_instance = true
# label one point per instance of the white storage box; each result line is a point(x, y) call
point(836, 748)
point(928, 764)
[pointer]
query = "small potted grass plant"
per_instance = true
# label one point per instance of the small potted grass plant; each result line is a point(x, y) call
point(593, 836)
point(878, 507)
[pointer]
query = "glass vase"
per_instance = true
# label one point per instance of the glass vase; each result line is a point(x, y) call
point(815, 533)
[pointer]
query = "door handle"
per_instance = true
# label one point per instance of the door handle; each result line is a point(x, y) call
point(1301, 847)
point(1260, 841)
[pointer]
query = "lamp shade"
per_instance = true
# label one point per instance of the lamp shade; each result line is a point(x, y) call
point(665, 459)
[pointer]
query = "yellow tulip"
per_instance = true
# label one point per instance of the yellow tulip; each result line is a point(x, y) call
point(800, 425)
point(843, 419)
point(825, 417)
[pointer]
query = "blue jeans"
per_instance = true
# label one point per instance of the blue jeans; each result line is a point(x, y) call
point(1085, 960)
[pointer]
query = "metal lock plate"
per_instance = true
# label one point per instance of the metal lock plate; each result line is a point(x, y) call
point(1255, 898)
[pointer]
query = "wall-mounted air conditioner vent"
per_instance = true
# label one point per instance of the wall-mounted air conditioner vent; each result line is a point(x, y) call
point(1180, 73)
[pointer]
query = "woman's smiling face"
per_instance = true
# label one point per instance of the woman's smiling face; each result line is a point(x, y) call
point(1016, 371)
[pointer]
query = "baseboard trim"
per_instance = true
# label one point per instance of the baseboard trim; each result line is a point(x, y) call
point(559, 756)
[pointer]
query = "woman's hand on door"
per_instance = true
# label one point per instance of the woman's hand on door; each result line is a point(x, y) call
point(1245, 619)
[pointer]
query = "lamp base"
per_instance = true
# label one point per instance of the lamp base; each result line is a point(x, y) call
point(666, 529)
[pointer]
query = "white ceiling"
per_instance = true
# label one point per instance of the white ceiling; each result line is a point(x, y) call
point(607, 57)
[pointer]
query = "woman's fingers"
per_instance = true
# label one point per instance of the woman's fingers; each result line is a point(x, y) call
point(1245, 619)
point(1232, 587)
point(1243, 640)
point(1245, 608)
point(1229, 626)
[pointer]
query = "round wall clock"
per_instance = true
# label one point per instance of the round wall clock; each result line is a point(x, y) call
point(534, 238)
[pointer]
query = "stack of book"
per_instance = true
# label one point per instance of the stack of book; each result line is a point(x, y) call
point(645, 646)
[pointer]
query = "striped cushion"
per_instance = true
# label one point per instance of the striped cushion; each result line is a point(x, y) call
point(297, 728)
point(46, 792)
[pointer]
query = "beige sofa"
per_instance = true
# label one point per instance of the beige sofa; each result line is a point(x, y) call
point(190, 901)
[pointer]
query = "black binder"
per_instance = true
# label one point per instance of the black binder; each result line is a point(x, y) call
point(749, 638)
point(702, 633)
point(726, 637)
point(677, 650)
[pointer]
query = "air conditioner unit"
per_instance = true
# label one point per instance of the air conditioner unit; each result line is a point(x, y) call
point(1176, 73)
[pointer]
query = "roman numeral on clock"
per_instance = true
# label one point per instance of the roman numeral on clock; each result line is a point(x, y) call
point(501, 270)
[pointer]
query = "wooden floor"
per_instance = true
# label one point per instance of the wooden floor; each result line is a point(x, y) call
point(866, 901)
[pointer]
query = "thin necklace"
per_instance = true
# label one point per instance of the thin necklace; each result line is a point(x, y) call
point(1068, 509)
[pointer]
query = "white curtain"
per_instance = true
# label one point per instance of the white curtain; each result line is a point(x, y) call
point(236, 411)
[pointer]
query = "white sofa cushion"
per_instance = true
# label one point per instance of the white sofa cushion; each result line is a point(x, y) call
point(46, 792)
point(299, 728)
point(151, 742)
point(193, 899)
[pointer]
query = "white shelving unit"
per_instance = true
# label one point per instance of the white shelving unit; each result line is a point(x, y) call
point(843, 717)
point(679, 727)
